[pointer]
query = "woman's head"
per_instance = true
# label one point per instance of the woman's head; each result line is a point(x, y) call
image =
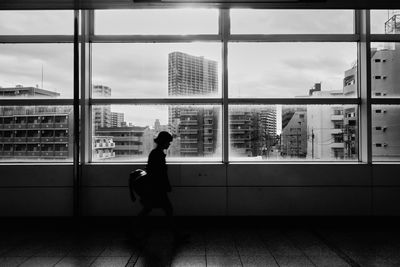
point(163, 139)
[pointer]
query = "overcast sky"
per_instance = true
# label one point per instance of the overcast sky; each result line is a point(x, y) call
point(141, 70)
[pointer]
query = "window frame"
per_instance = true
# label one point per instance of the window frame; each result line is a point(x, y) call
point(82, 67)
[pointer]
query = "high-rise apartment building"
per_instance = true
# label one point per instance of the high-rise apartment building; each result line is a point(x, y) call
point(196, 127)
point(117, 119)
point(252, 131)
point(102, 116)
point(35, 132)
point(189, 75)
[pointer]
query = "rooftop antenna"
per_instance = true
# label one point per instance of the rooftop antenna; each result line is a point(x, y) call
point(42, 76)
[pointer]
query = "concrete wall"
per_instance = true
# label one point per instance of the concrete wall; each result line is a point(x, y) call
point(208, 189)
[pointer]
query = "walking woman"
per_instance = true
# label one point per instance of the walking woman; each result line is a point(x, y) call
point(156, 195)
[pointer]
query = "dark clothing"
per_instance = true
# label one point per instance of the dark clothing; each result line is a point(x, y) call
point(159, 185)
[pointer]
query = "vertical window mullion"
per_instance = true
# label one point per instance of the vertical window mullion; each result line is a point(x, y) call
point(224, 25)
point(76, 99)
point(364, 77)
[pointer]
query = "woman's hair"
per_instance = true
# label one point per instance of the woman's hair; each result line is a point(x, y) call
point(163, 137)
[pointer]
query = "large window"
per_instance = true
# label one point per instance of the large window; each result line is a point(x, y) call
point(36, 86)
point(230, 85)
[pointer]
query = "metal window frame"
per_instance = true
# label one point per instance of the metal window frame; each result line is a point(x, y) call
point(225, 37)
point(361, 35)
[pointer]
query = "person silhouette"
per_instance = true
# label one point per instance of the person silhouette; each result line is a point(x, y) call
point(158, 187)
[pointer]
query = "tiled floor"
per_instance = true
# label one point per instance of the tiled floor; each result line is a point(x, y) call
point(202, 246)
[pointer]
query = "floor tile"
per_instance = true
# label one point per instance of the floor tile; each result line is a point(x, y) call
point(223, 261)
point(41, 262)
point(192, 261)
point(11, 261)
point(110, 261)
point(75, 262)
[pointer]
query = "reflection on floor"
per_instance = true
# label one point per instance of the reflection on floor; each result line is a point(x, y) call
point(201, 246)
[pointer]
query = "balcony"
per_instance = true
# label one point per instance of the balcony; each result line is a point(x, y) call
point(189, 141)
point(19, 153)
point(47, 139)
point(47, 153)
point(336, 131)
point(127, 147)
point(188, 131)
point(63, 154)
point(61, 125)
point(189, 150)
point(8, 153)
point(337, 145)
point(20, 139)
point(35, 139)
point(104, 145)
point(33, 153)
point(33, 125)
point(8, 125)
point(8, 139)
point(61, 139)
point(189, 123)
point(337, 117)
point(48, 125)
point(20, 125)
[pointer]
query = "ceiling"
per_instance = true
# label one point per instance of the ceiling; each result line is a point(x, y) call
point(117, 4)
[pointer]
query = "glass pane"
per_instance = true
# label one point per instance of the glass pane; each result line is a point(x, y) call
point(292, 69)
point(385, 67)
point(158, 70)
point(385, 21)
point(36, 133)
point(50, 22)
point(36, 70)
point(386, 132)
point(126, 132)
point(252, 21)
point(280, 133)
point(158, 22)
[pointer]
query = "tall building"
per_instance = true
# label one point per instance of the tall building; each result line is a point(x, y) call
point(293, 141)
point(102, 116)
point(189, 75)
point(117, 119)
point(35, 132)
point(252, 131)
point(196, 127)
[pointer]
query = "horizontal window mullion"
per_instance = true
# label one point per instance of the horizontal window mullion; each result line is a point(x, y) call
point(295, 101)
point(36, 102)
point(385, 101)
point(153, 38)
point(294, 37)
point(385, 37)
point(36, 38)
point(157, 101)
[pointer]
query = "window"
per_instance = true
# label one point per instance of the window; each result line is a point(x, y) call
point(299, 70)
point(249, 21)
point(36, 22)
point(134, 139)
point(284, 82)
point(156, 22)
point(36, 86)
point(260, 133)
